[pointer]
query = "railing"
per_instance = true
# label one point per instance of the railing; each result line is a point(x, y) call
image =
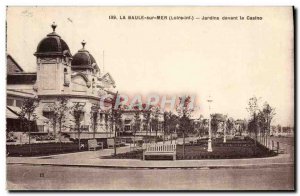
point(270, 144)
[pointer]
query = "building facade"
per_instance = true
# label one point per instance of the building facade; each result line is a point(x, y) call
point(77, 78)
point(141, 123)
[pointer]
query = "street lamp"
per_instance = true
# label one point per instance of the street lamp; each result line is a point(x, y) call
point(224, 128)
point(209, 147)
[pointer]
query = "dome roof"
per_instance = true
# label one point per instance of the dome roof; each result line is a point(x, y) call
point(52, 45)
point(83, 59)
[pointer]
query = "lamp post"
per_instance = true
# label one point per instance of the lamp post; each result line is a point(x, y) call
point(224, 141)
point(209, 147)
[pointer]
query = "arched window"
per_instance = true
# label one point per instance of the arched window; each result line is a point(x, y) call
point(66, 79)
point(93, 83)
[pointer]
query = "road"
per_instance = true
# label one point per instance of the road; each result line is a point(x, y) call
point(31, 177)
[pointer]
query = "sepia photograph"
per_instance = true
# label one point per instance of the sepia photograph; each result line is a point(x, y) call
point(184, 98)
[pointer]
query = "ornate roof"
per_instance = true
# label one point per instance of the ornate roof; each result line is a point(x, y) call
point(52, 45)
point(83, 59)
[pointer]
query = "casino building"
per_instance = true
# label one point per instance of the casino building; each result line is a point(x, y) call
point(60, 74)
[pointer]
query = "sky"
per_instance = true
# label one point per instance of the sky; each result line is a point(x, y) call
point(231, 61)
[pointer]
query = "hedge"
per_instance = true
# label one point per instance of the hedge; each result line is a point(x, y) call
point(40, 149)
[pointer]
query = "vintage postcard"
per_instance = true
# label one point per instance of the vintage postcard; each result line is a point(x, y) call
point(150, 98)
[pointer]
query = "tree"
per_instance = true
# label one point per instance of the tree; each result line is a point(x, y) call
point(262, 124)
point(77, 112)
point(218, 118)
point(244, 126)
point(253, 109)
point(28, 115)
point(268, 113)
point(147, 117)
point(172, 120)
point(260, 119)
point(279, 128)
point(58, 114)
point(265, 117)
point(155, 120)
point(94, 118)
point(184, 112)
point(137, 123)
point(214, 124)
point(230, 124)
point(117, 122)
point(203, 127)
point(166, 124)
point(106, 120)
point(115, 116)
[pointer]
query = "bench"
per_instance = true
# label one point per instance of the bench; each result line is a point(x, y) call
point(159, 149)
point(137, 145)
point(93, 144)
point(111, 143)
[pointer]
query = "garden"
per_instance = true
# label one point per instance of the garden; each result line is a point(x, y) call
point(232, 149)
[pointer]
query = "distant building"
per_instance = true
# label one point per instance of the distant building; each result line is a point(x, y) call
point(282, 131)
point(150, 128)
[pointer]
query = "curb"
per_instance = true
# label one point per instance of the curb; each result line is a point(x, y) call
point(242, 166)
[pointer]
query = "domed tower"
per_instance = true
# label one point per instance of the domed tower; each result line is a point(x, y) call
point(53, 64)
point(83, 62)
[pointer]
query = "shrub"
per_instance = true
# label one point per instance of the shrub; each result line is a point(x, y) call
point(40, 149)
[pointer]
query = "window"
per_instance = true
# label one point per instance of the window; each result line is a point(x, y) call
point(127, 128)
point(66, 80)
point(82, 117)
point(106, 118)
point(10, 102)
point(19, 103)
point(145, 127)
point(40, 128)
point(48, 114)
point(93, 83)
point(127, 121)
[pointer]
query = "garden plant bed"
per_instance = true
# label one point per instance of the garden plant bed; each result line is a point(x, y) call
point(232, 149)
point(229, 150)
